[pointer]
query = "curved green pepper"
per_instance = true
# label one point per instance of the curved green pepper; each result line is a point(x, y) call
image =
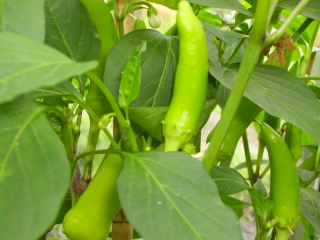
point(190, 87)
point(284, 183)
point(91, 217)
point(246, 113)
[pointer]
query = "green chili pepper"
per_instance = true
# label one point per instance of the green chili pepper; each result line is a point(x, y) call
point(246, 113)
point(91, 217)
point(293, 140)
point(284, 183)
point(190, 87)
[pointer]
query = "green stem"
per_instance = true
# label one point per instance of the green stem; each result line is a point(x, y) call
point(276, 35)
point(313, 177)
point(264, 172)
point(234, 53)
point(122, 121)
point(297, 34)
point(96, 152)
point(248, 63)
point(307, 55)
point(305, 79)
point(259, 157)
point(248, 157)
point(95, 118)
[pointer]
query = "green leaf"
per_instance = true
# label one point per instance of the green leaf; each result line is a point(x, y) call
point(311, 10)
point(228, 180)
point(24, 17)
point(309, 158)
point(260, 201)
point(279, 93)
point(235, 204)
point(169, 195)
point(225, 4)
point(34, 171)
point(26, 64)
point(131, 79)
point(158, 65)
point(150, 118)
point(226, 36)
point(310, 207)
point(70, 30)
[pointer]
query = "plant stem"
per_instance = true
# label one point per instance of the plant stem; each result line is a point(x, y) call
point(259, 158)
point(313, 177)
point(297, 34)
point(248, 63)
point(248, 157)
point(309, 78)
point(276, 35)
point(122, 121)
point(306, 57)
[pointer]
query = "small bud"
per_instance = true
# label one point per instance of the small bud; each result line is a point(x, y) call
point(153, 18)
point(105, 120)
point(188, 148)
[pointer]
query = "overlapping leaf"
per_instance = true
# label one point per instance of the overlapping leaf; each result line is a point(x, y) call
point(26, 64)
point(171, 196)
point(34, 171)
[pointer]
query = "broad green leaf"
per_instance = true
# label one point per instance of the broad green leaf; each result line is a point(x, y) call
point(226, 36)
point(131, 79)
point(158, 64)
point(25, 17)
point(228, 180)
point(169, 195)
point(225, 4)
point(310, 207)
point(311, 10)
point(260, 201)
point(70, 30)
point(150, 118)
point(34, 171)
point(279, 93)
point(26, 64)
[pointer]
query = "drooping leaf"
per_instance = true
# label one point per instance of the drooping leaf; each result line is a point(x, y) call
point(25, 17)
point(279, 93)
point(64, 89)
point(170, 196)
point(26, 64)
point(311, 10)
point(70, 30)
point(309, 206)
point(34, 171)
point(228, 180)
point(158, 64)
point(260, 201)
point(236, 204)
point(131, 79)
point(226, 36)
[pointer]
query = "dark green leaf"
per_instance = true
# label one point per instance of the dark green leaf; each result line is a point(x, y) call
point(228, 180)
point(311, 10)
point(24, 17)
point(70, 30)
point(26, 64)
point(131, 79)
point(158, 64)
point(279, 93)
point(171, 196)
point(34, 171)
point(310, 207)
point(260, 201)
point(226, 36)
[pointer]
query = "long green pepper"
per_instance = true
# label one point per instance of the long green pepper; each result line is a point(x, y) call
point(285, 185)
point(190, 87)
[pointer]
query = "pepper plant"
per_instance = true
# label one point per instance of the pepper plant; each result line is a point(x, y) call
point(144, 95)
